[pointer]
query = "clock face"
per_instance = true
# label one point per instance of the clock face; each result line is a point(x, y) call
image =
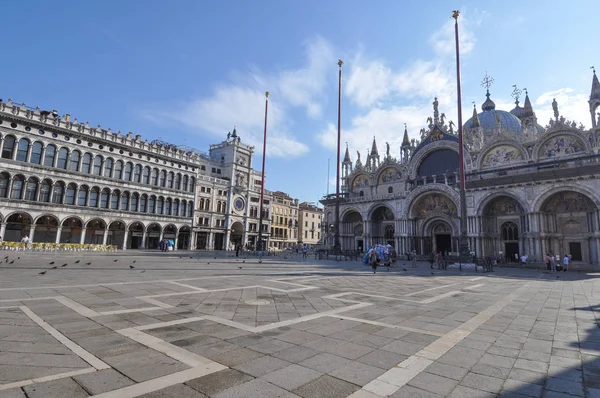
point(239, 204)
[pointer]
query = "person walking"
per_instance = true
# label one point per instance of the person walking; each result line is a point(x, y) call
point(566, 261)
point(414, 259)
point(431, 259)
point(552, 263)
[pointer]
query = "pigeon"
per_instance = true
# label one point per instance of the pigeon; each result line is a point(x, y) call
point(215, 258)
point(179, 256)
point(142, 271)
point(114, 261)
point(191, 257)
point(260, 261)
point(244, 261)
point(51, 262)
point(88, 263)
point(131, 267)
point(64, 265)
point(133, 262)
point(55, 267)
point(77, 262)
point(12, 261)
point(240, 267)
point(207, 263)
point(42, 273)
point(403, 269)
point(432, 273)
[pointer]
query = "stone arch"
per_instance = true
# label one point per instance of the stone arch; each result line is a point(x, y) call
point(135, 234)
point(429, 188)
point(432, 202)
point(18, 224)
point(380, 217)
point(559, 144)
point(153, 232)
point(237, 231)
point(501, 153)
point(420, 155)
point(183, 237)
point(537, 206)
point(94, 231)
point(389, 174)
point(439, 231)
point(46, 228)
point(495, 195)
point(351, 230)
point(361, 180)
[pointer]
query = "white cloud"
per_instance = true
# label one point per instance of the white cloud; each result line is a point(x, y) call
point(241, 103)
point(571, 104)
point(444, 42)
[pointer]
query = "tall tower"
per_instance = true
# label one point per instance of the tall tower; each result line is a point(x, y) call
point(405, 148)
point(374, 155)
point(346, 164)
point(595, 100)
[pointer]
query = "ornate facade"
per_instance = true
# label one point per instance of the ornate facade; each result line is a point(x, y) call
point(529, 189)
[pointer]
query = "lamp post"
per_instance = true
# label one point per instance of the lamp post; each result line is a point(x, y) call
point(463, 241)
point(337, 246)
point(262, 184)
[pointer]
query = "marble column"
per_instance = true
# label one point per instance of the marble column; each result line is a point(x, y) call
point(2, 230)
point(31, 232)
point(105, 237)
point(58, 233)
point(144, 235)
point(125, 236)
point(82, 239)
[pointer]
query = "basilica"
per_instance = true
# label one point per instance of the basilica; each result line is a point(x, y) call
point(530, 189)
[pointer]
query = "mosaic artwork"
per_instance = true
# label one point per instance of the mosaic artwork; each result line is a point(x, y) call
point(389, 175)
point(568, 202)
point(503, 206)
point(360, 181)
point(501, 155)
point(561, 145)
point(434, 203)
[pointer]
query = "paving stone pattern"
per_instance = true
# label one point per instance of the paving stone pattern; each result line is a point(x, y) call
point(212, 325)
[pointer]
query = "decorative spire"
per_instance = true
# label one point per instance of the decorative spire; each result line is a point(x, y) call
point(347, 155)
point(405, 140)
point(488, 105)
point(374, 151)
point(475, 120)
point(595, 94)
point(234, 134)
point(527, 109)
point(516, 94)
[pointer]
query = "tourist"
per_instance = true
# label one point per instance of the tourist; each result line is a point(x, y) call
point(414, 259)
point(432, 257)
point(552, 263)
point(566, 261)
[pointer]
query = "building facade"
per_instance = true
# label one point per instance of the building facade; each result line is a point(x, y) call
point(228, 198)
point(284, 221)
point(62, 181)
point(310, 220)
point(530, 189)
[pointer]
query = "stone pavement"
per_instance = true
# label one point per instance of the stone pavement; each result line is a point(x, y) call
point(149, 324)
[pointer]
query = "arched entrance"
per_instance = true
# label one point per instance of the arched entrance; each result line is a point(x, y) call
point(152, 236)
point(441, 232)
point(17, 226)
point(170, 233)
point(183, 238)
point(566, 226)
point(237, 231)
point(503, 226)
point(46, 228)
point(351, 231)
point(71, 230)
point(382, 220)
point(94, 231)
point(431, 224)
point(116, 234)
point(136, 235)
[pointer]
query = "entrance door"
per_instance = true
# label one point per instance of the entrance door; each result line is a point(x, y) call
point(510, 249)
point(219, 241)
point(136, 242)
point(443, 243)
point(575, 251)
point(359, 245)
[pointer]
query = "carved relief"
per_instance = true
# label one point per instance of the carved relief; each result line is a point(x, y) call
point(560, 146)
point(572, 227)
point(568, 202)
point(501, 155)
point(389, 175)
point(502, 206)
point(434, 204)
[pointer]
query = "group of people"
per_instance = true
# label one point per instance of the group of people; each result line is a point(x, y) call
point(166, 245)
point(378, 255)
point(553, 263)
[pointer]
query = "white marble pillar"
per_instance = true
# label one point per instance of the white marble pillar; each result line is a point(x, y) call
point(31, 232)
point(144, 235)
point(125, 235)
point(82, 238)
point(105, 237)
point(2, 230)
point(58, 233)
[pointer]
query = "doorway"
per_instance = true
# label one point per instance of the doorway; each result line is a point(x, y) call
point(510, 250)
point(443, 243)
point(575, 251)
point(359, 245)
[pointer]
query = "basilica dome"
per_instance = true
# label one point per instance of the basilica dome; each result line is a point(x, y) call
point(490, 119)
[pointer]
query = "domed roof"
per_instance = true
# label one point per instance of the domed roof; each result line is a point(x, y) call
point(490, 117)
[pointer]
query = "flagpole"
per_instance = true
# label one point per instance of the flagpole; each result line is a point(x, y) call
point(463, 242)
point(262, 185)
point(337, 246)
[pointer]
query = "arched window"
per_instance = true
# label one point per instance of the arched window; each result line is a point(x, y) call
point(137, 173)
point(201, 203)
point(143, 201)
point(31, 189)
point(361, 194)
point(98, 165)
point(133, 205)
point(154, 177)
point(390, 190)
point(9, 147)
point(192, 184)
point(207, 204)
point(163, 178)
point(108, 167)
point(152, 204)
point(22, 150)
point(389, 232)
point(17, 187)
point(159, 205)
point(104, 198)
point(114, 200)
point(170, 180)
point(183, 208)
point(45, 188)
point(3, 185)
point(125, 201)
point(178, 181)
point(86, 163)
point(36, 153)
point(82, 197)
point(70, 195)
point(58, 192)
point(63, 155)
point(218, 206)
point(74, 161)
point(50, 156)
point(185, 183)
point(168, 207)
point(176, 207)
point(128, 171)
point(94, 197)
point(510, 231)
point(146, 175)
point(118, 172)
point(190, 208)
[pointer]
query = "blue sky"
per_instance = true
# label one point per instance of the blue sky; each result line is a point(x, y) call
point(188, 71)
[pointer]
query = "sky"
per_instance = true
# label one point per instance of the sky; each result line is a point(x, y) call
point(188, 71)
